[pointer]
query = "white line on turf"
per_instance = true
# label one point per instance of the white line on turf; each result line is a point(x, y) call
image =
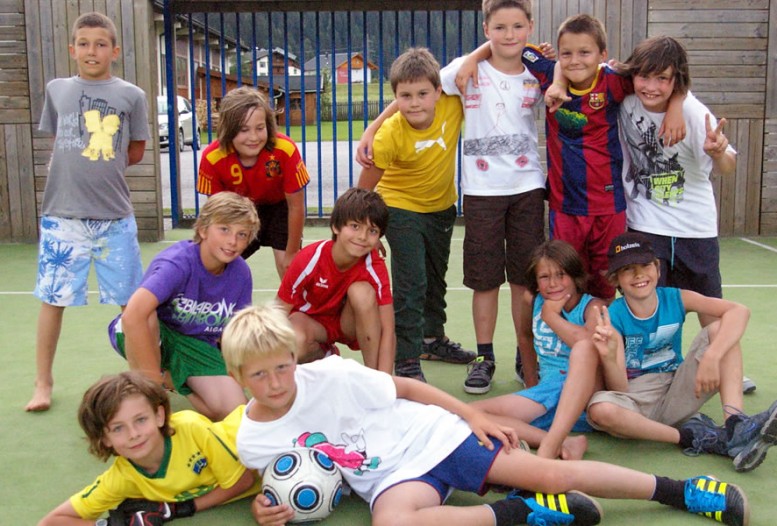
point(761, 245)
point(450, 289)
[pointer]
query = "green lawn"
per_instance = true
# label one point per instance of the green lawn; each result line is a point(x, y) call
point(357, 92)
point(327, 131)
point(311, 132)
point(341, 127)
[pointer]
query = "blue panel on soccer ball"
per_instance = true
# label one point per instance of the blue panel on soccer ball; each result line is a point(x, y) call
point(324, 461)
point(285, 464)
point(307, 498)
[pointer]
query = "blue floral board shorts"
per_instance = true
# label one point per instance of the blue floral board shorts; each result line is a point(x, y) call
point(69, 246)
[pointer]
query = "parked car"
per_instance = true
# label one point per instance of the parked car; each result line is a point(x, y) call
point(185, 116)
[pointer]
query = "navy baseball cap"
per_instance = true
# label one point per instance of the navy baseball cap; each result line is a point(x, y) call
point(631, 248)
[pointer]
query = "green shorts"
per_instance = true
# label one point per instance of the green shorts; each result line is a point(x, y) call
point(183, 356)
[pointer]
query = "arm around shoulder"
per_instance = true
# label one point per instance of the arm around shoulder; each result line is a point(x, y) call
point(370, 177)
point(364, 148)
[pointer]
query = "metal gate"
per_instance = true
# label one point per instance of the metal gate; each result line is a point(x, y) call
point(324, 73)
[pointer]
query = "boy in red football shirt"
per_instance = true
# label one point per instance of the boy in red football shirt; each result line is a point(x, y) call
point(338, 290)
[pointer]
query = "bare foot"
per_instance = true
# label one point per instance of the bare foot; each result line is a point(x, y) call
point(41, 399)
point(574, 448)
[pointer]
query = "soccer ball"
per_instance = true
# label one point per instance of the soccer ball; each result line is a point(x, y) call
point(305, 479)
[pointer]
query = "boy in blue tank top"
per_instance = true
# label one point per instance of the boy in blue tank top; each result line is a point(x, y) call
point(653, 391)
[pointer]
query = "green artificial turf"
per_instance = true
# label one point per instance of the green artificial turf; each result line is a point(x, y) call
point(44, 456)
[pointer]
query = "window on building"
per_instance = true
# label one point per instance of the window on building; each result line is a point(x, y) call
point(181, 72)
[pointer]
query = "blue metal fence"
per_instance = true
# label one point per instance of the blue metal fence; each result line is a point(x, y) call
point(331, 164)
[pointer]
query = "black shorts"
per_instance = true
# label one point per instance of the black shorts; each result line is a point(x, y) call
point(273, 228)
point(688, 263)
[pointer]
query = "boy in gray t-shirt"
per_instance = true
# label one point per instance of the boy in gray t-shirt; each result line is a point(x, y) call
point(100, 124)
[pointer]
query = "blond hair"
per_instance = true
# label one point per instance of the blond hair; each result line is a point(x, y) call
point(227, 208)
point(256, 332)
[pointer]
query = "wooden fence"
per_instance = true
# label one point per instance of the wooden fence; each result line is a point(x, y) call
point(34, 37)
point(732, 46)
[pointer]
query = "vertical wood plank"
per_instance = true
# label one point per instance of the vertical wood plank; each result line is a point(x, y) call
point(771, 67)
point(611, 24)
point(14, 185)
point(755, 177)
point(5, 204)
point(60, 39)
point(34, 50)
point(741, 177)
point(27, 229)
point(72, 14)
point(48, 57)
point(626, 31)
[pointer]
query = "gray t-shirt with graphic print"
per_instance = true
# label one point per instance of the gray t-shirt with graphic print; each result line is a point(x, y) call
point(93, 123)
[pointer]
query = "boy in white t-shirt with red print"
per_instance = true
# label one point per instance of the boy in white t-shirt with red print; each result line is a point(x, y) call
point(338, 290)
point(406, 444)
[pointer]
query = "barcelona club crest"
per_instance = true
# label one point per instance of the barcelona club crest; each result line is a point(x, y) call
point(596, 100)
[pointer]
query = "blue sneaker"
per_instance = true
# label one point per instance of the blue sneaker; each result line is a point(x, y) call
point(547, 509)
point(751, 437)
point(708, 437)
point(717, 500)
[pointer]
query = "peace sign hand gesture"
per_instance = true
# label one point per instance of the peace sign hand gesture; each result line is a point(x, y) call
point(605, 337)
point(715, 142)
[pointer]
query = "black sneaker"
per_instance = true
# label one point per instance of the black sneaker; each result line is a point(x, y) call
point(572, 507)
point(717, 500)
point(519, 368)
point(409, 368)
point(443, 349)
point(751, 437)
point(479, 375)
point(708, 437)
